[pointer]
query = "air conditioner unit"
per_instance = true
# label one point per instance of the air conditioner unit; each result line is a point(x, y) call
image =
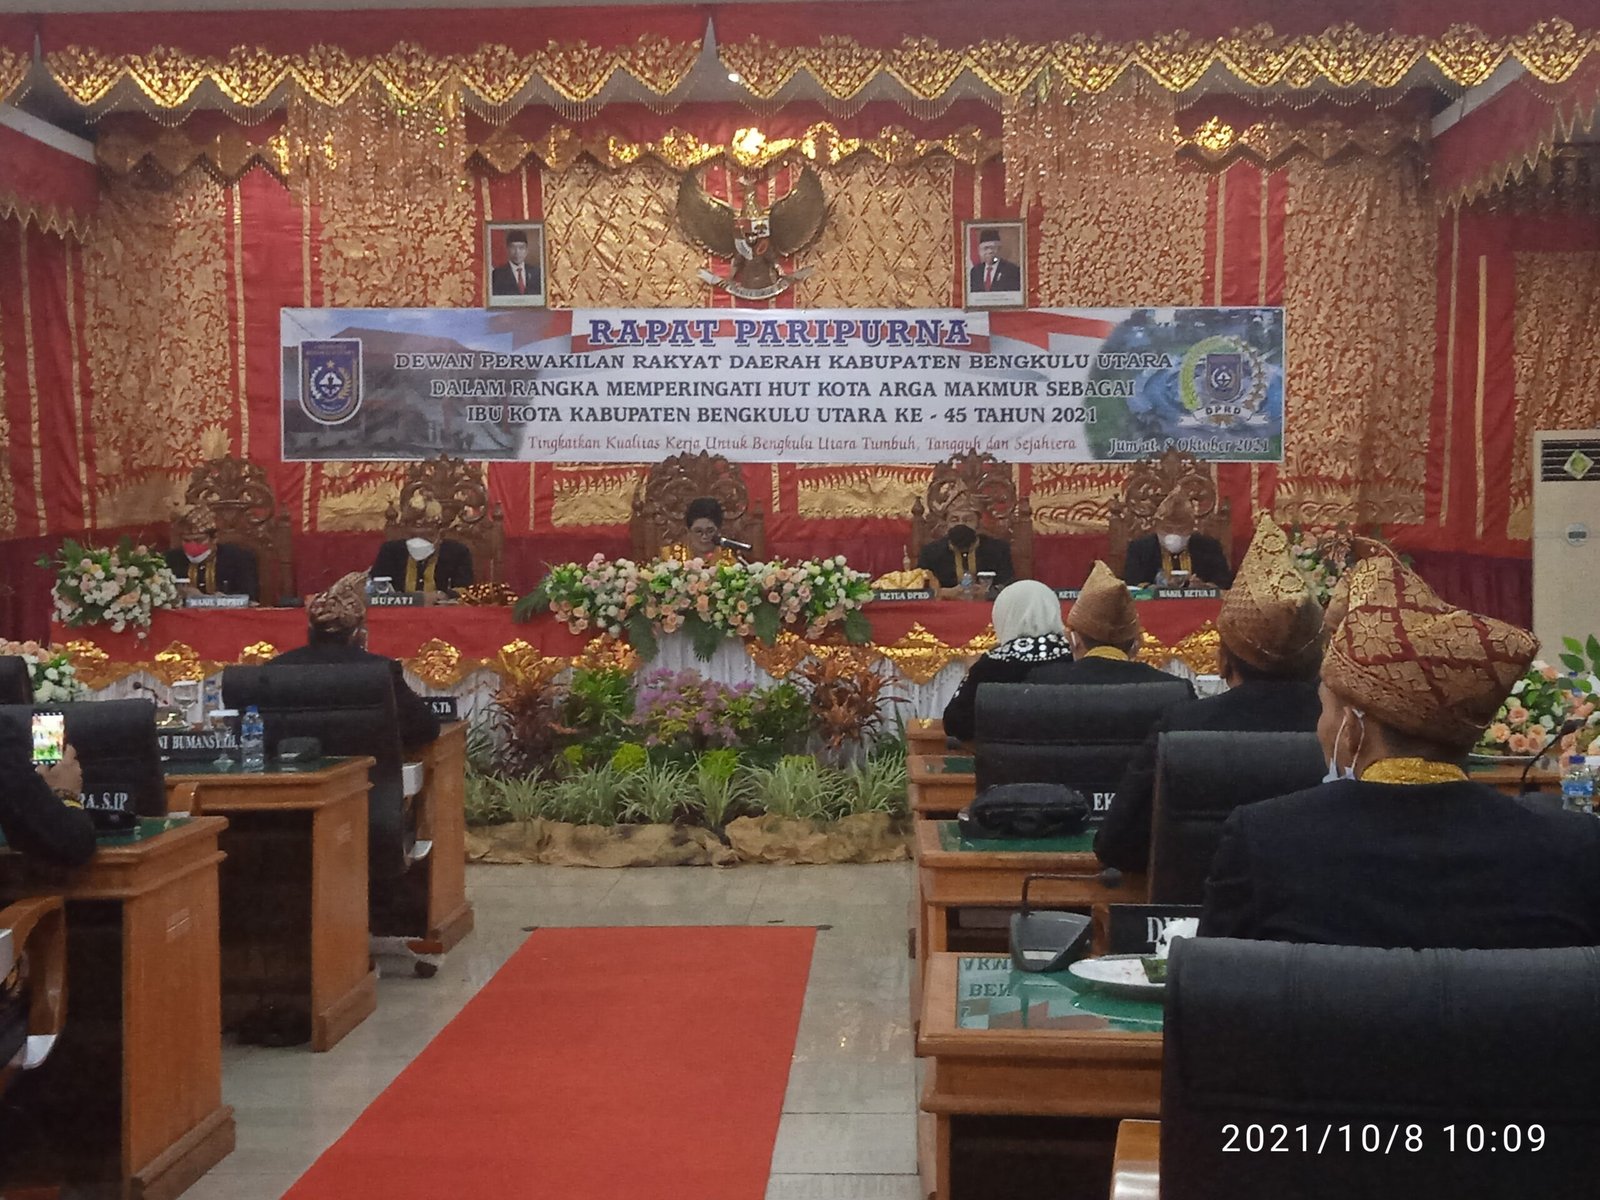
point(1566, 536)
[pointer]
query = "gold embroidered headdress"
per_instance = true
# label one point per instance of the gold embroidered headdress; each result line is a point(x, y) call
point(1361, 549)
point(1176, 510)
point(1418, 664)
point(1270, 617)
point(196, 521)
point(342, 607)
point(1104, 611)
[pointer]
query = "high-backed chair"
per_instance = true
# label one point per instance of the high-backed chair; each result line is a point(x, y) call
point(1151, 481)
point(240, 496)
point(350, 709)
point(16, 681)
point(448, 497)
point(1080, 735)
point(660, 498)
point(1201, 777)
point(33, 983)
point(1002, 513)
point(117, 748)
point(1392, 1048)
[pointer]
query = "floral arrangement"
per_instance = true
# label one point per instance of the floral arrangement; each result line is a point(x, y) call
point(1322, 556)
point(1541, 702)
point(118, 587)
point(684, 710)
point(55, 680)
point(710, 602)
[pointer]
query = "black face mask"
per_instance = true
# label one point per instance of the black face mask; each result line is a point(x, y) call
point(962, 536)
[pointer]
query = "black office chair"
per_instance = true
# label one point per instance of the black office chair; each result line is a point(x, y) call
point(16, 681)
point(1201, 777)
point(1268, 1042)
point(1080, 735)
point(350, 709)
point(117, 748)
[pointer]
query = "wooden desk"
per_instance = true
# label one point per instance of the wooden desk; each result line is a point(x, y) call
point(1508, 779)
point(1003, 1044)
point(133, 1090)
point(938, 786)
point(925, 735)
point(293, 891)
point(434, 912)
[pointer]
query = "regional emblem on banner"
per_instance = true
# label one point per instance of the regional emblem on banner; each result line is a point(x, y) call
point(330, 379)
point(1222, 381)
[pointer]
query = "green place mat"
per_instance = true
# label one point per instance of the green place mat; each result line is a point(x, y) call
point(958, 764)
point(950, 839)
point(992, 994)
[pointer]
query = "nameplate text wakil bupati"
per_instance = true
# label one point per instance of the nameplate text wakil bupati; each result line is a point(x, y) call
point(403, 600)
point(903, 594)
point(220, 601)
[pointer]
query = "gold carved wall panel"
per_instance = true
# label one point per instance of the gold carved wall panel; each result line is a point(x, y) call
point(1359, 244)
point(888, 242)
point(592, 493)
point(613, 239)
point(158, 337)
point(1557, 361)
point(848, 491)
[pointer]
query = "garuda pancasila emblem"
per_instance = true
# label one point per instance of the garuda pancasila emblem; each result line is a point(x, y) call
point(755, 237)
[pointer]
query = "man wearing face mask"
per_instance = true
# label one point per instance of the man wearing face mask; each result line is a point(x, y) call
point(1398, 848)
point(1175, 553)
point(964, 552)
point(424, 562)
point(337, 634)
point(205, 567)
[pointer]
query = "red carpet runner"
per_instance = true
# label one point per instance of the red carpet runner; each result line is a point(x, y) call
point(598, 1064)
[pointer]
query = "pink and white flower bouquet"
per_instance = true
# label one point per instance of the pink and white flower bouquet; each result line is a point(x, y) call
point(1541, 702)
point(55, 679)
point(119, 587)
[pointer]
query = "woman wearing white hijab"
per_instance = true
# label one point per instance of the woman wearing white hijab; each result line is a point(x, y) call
point(1027, 625)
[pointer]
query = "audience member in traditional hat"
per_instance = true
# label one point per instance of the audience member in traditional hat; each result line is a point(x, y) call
point(1103, 627)
point(1270, 631)
point(1175, 553)
point(205, 565)
point(1028, 628)
point(338, 634)
point(425, 561)
point(1361, 549)
point(39, 810)
point(963, 550)
point(1401, 848)
point(702, 525)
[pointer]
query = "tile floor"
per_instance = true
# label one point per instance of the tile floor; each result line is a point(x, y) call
point(849, 1128)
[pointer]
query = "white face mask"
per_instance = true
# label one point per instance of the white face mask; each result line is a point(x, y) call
point(1173, 543)
point(197, 559)
point(1335, 771)
point(419, 548)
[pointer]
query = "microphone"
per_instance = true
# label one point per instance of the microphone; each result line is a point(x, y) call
point(731, 544)
point(1570, 725)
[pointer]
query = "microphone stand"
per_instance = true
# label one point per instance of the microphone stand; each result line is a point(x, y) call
point(1570, 725)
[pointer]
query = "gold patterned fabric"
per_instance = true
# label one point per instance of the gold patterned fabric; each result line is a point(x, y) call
point(1418, 665)
point(1104, 610)
point(1270, 618)
point(196, 521)
point(342, 607)
point(1273, 139)
point(1412, 771)
point(680, 552)
point(1339, 599)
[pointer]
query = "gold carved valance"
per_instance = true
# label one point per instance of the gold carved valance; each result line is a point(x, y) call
point(1273, 139)
point(1342, 55)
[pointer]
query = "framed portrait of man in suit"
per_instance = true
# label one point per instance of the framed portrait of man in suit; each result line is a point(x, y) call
point(996, 261)
point(514, 264)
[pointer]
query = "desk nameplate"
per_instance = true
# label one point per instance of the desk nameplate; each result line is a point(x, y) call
point(902, 594)
point(403, 600)
point(218, 601)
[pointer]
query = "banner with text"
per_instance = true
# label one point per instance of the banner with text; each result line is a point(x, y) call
point(836, 386)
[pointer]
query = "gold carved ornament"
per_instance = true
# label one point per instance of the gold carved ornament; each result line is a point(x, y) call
point(180, 663)
point(919, 655)
point(258, 653)
point(13, 70)
point(93, 665)
point(439, 664)
point(228, 154)
point(523, 665)
point(251, 77)
point(780, 658)
point(1197, 650)
point(1272, 140)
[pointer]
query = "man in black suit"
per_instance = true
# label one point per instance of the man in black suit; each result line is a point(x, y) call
point(207, 567)
point(1103, 627)
point(964, 551)
point(1175, 553)
point(991, 273)
point(1402, 849)
point(424, 563)
point(39, 810)
point(1270, 630)
point(517, 276)
point(337, 634)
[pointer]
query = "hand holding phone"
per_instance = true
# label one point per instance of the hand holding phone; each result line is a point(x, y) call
point(64, 777)
point(49, 738)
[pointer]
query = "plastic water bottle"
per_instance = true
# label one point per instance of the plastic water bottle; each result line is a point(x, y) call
point(252, 740)
point(212, 699)
point(1578, 783)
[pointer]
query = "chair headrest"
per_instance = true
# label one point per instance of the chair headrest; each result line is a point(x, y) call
point(1043, 713)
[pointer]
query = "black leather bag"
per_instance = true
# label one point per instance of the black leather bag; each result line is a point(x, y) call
point(1025, 810)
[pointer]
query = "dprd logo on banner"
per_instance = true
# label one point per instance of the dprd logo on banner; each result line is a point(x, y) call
point(330, 379)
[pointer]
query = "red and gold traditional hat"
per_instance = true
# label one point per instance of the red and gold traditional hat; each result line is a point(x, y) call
point(340, 608)
point(1270, 617)
point(1361, 549)
point(1417, 664)
point(1176, 511)
point(1103, 611)
point(196, 521)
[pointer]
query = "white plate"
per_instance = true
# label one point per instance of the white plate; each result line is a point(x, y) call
point(1118, 975)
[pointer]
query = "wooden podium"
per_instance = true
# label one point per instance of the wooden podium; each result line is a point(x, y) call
point(132, 1093)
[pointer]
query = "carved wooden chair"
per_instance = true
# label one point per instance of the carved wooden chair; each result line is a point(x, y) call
point(448, 497)
point(240, 495)
point(1149, 483)
point(659, 500)
point(1002, 513)
point(33, 982)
